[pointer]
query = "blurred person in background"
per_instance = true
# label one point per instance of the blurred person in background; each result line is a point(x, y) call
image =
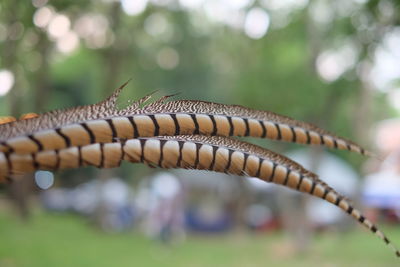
point(162, 206)
point(381, 190)
point(108, 202)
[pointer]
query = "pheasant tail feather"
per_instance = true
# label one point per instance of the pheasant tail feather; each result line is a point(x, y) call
point(218, 154)
point(103, 122)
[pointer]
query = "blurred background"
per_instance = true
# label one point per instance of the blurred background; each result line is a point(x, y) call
point(332, 63)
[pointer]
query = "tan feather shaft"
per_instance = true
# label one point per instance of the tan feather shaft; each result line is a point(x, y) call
point(148, 125)
point(190, 152)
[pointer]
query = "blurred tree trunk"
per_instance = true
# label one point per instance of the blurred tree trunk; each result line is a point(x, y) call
point(42, 83)
point(294, 214)
point(293, 207)
point(112, 56)
point(362, 113)
point(9, 55)
point(20, 188)
point(19, 192)
point(363, 110)
point(241, 202)
point(112, 66)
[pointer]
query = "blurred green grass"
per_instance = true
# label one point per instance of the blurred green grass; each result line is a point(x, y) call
point(67, 240)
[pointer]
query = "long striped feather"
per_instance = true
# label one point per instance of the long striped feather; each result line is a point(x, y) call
point(103, 122)
point(218, 154)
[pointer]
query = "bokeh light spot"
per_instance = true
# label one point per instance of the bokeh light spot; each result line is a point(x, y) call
point(44, 179)
point(42, 17)
point(168, 58)
point(155, 24)
point(6, 81)
point(68, 43)
point(135, 7)
point(256, 23)
point(39, 3)
point(59, 26)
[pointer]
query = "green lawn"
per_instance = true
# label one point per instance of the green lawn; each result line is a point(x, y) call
point(66, 240)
